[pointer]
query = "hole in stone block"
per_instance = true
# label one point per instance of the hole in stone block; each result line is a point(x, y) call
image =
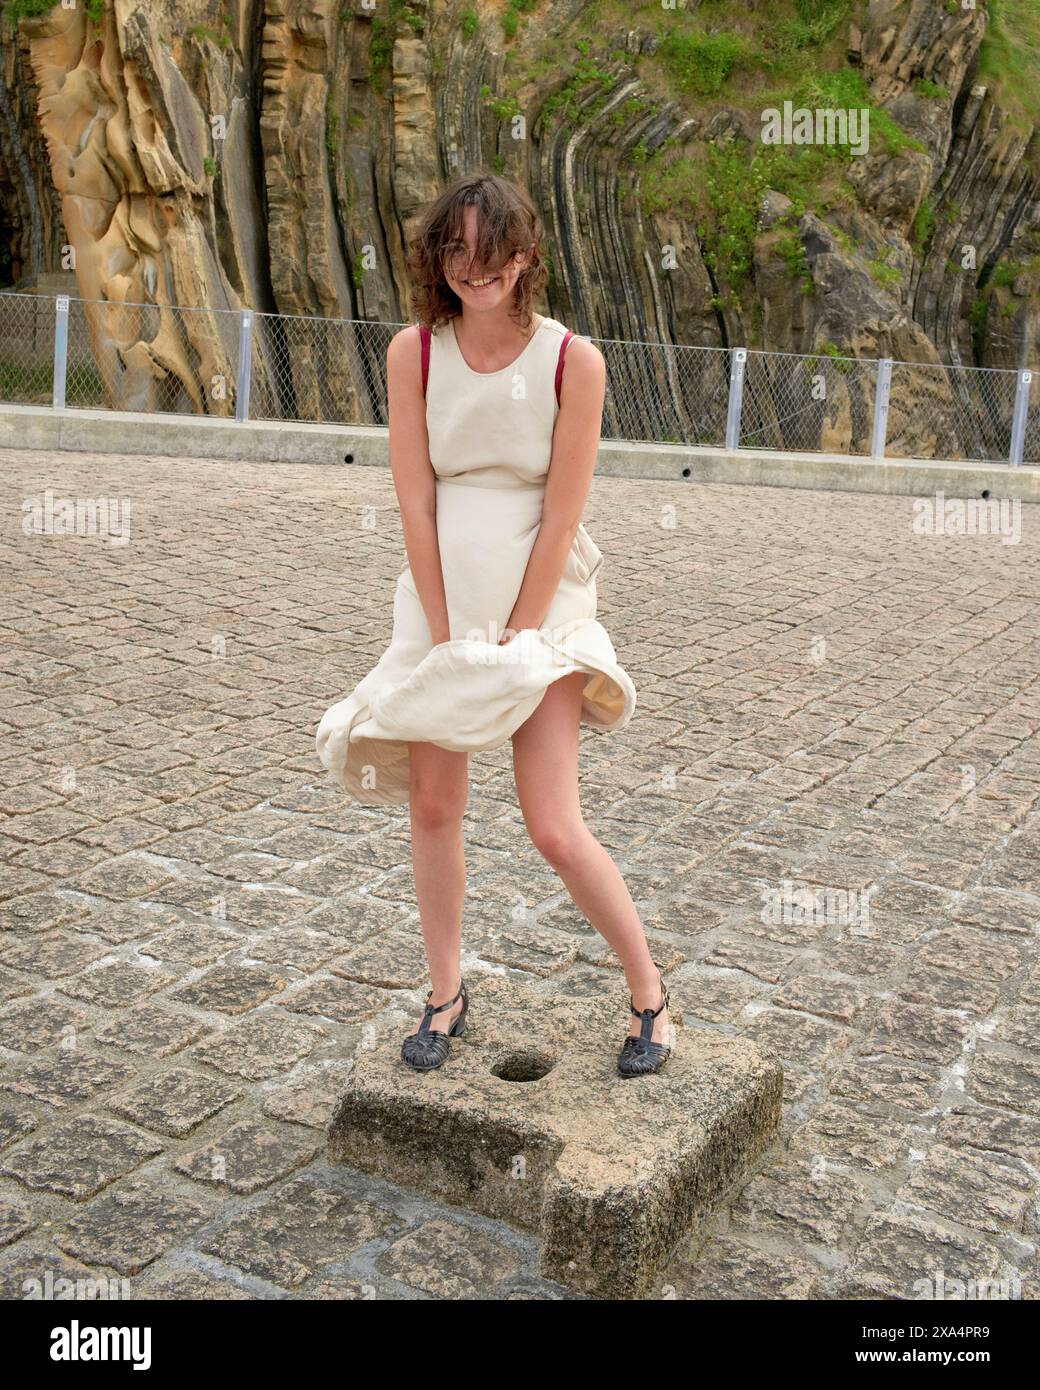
point(523, 1066)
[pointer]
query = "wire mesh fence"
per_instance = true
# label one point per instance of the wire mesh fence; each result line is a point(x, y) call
point(1031, 442)
point(152, 357)
point(665, 393)
point(820, 403)
point(238, 364)
point(313, 369)
point(26, 349)
point(951, 412)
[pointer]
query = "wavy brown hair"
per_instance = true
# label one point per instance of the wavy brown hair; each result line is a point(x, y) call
point(507, 222)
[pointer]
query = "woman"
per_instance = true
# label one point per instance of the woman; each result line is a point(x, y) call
point(492, 450)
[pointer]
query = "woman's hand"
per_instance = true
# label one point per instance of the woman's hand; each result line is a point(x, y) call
point(513, 628)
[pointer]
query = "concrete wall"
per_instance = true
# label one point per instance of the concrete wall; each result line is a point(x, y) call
point(183, 436)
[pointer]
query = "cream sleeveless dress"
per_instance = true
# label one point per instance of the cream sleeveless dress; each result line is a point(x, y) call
point(490, 437)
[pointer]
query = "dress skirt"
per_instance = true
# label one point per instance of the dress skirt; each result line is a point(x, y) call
point(470, 694)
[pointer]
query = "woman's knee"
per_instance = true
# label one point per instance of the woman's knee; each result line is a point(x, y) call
point(439, 789)
point(560, 844)
point(432, 811)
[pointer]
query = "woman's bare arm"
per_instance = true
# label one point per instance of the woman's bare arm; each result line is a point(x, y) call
point(575, 446)
point(414, 478)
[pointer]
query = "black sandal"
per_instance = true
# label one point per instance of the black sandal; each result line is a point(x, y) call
point(641, 1055)
point(428, 1047)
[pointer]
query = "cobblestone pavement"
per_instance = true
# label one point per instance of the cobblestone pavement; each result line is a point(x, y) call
point(198, 925)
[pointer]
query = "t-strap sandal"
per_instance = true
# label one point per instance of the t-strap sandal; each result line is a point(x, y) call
point(640, 1055)
point(428, 1047)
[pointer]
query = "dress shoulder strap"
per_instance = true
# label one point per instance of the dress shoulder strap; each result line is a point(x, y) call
point(559, 362)
point(424, 334)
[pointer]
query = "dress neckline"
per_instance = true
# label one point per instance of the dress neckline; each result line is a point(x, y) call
point(500, 370)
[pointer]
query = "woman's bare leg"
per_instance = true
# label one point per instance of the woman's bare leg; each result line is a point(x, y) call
point(545, 764)
point(438, 791)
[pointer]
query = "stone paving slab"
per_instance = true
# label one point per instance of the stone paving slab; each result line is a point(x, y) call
point(827, 805)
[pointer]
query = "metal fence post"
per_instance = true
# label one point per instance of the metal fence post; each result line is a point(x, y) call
point(1018, 423)
point(245, 365)
point(736, 398)
point(881, 399)
point(61, 349)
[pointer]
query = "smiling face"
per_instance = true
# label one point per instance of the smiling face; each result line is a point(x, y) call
point(480, 286)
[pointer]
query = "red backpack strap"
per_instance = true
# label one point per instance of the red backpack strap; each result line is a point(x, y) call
point(424, 334)
point(559, 362)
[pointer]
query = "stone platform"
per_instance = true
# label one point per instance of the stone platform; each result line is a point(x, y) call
point(528, 1121)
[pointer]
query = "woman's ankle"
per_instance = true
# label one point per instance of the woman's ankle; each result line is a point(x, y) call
point(449, 993)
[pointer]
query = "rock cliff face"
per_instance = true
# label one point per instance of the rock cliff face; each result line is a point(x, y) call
point(275, 154)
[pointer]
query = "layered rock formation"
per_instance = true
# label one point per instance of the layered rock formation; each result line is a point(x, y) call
point(204, 156)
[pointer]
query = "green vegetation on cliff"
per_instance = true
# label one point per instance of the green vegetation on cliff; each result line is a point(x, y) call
point(15, 10)
point(223, 38)
point(384, 33)
point(722, 57)
point(702, 57)
point(511, 15)
point(791, 51)
point(701, 63)
point(1009, 59)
